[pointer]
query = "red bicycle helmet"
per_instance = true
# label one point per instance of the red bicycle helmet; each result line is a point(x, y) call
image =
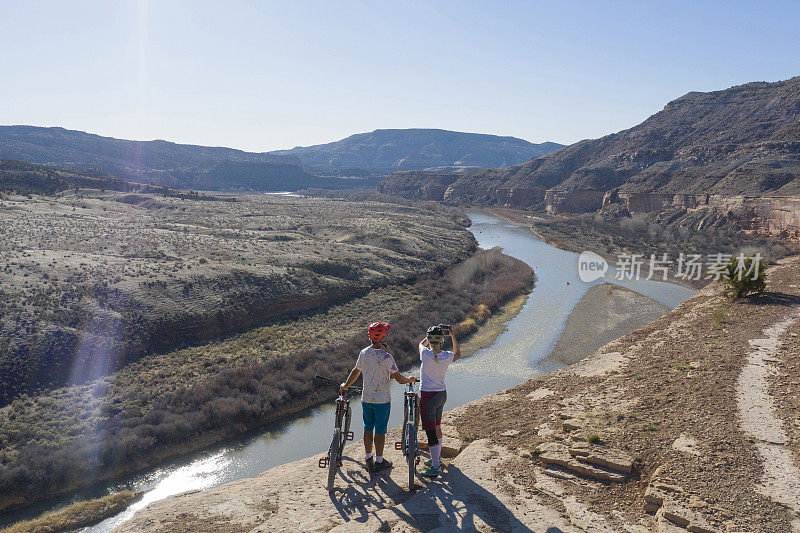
point(378, 330)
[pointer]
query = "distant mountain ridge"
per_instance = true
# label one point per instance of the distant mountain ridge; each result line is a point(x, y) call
point(359, 161)
point(155, 162)
point(744, 140)
point(418, 149)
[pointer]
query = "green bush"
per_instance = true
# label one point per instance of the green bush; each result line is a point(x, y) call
point(745, 275)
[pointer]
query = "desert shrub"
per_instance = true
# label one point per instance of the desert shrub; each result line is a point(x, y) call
point(745, 275)
point(633, 224)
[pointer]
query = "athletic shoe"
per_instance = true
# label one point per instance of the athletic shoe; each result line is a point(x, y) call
point(383, 465)
point(428, 462)
point(431, 472)
point(370, 463)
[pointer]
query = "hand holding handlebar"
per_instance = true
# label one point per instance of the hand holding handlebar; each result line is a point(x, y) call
point(340, 385)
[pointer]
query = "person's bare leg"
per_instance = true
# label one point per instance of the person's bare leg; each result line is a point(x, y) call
point(436, 451)
point(368, 442)
point(380, 440)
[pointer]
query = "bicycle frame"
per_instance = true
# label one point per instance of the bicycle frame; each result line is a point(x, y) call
point(409, 445)
point(409, 406)
point(341, 428)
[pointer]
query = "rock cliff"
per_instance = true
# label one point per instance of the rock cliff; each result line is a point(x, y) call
point(731, 151)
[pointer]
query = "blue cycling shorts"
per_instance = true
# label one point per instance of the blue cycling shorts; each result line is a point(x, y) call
point(376, 416)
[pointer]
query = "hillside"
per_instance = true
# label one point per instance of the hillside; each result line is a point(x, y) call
point(172, 403)
point(162, 163)
point(416, 149)
point(27, 178)
point(92, 280)
point(742, 141)
point(683, 425)
point(357, 161)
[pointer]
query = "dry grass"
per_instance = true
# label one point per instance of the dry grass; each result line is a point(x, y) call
point(91, 281)
point(78, 515)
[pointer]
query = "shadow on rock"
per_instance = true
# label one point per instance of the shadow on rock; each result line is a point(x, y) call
point(773, 298)
point(363, 491)
point(455, 501)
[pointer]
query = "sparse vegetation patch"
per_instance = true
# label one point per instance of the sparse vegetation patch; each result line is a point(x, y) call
point(93, 281)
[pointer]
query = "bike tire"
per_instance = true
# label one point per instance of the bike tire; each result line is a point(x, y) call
point(333, 458)
point(411, 457)
point(347, 417)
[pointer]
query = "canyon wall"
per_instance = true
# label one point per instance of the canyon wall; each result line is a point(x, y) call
point(573, 201)
point(458, 189)
point(511, 196)
point(728, 158)
point(773, 214)
point(778, 214)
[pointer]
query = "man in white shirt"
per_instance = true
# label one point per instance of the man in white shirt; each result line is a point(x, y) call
point(433, 393)
point(378, 367)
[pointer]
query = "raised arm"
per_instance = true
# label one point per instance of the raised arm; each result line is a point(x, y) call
point(456, 349)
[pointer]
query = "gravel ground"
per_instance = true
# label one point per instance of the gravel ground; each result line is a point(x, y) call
point(606, 312)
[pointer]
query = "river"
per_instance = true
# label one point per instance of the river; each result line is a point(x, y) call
point(513, 358)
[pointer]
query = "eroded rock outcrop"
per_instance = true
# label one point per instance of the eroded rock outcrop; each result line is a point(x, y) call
point(573, 201)
point(771, 214)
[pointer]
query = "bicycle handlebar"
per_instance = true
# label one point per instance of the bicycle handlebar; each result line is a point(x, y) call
point(334, 382)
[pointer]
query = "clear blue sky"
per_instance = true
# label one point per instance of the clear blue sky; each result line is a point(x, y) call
point(264, 75)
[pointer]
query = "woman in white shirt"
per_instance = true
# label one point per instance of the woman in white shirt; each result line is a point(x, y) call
point(433, 393)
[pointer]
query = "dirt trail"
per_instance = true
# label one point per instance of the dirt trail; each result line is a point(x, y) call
point(781, 481)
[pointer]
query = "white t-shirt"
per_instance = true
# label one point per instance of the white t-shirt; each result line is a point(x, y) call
point(433, 368)
point(376, 366)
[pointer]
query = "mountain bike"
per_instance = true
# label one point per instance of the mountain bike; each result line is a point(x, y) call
point(409, 445)
point(341, 431)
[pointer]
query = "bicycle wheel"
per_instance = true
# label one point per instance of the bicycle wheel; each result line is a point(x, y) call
point(406, 420)
point(411, 455)
point(346, 432)
point(406, 406)
point(333, 458)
